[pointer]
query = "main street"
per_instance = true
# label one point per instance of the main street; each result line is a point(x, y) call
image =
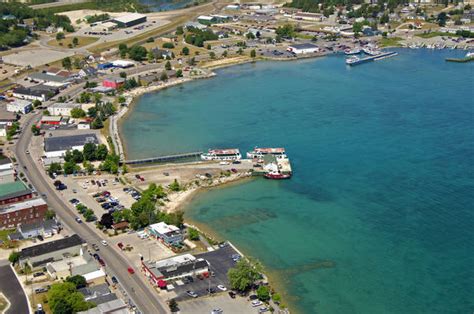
point(135, 285)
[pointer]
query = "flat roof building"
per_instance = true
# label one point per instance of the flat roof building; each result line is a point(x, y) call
point(12, 215)
point(130, 19)
point(20, 105)
point(62, 109)
point(57, 146)
point(303, 48)
point(14, 192)
point(174, 267)
point(168, 234)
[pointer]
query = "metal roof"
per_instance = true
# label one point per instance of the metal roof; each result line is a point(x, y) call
point(52, 246)
point(53, 144)
point(13, 189)
point(129, 18)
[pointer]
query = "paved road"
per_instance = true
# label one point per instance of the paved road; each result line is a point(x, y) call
point(135, 285)
point(12, 290)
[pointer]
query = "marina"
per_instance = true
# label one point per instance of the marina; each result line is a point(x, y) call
point(354, 60)
point(469, 57)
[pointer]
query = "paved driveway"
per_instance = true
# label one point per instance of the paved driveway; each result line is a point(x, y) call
point(12, 290)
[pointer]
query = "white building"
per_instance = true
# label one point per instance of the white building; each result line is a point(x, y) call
point(62, 109)
point(20, 105)
point(83, 125)
point(303, 49)
point(57, 146)
point(123, 64)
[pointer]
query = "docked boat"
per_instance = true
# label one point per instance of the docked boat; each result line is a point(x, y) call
point(259, 153)
point(350, 52)
point(230, 154)
point(277, 175)
point(370, 51)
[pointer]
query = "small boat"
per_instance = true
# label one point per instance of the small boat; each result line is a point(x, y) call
point(470, 55)
point(277, 176)
point(350, 52)
point(261, 152)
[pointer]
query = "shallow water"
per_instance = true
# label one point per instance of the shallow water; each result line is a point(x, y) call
point(378, 215)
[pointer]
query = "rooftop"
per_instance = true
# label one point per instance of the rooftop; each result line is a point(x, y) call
point(116, 306)
point(64, 105)
point(47, 225)
point(51, 118)
point(10, 208)
point(303, 46)
point(52, 246)
point(67, 142)
point(13, 189)
point(129, 17)
point(163, 228)
point(47, 77)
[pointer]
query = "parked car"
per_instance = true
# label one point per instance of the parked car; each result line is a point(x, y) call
point(232, 294)
point(256, 303)
point(78, 220)
point(130, 270)
point(101, 262)
point(114, 280)
point(192, 294)
point(263, 309)
point(38, 274)
point(95, 247)
point(211, 290)
point(120, 245)
point(221, 287)
point(104, 243)
point(217, 311)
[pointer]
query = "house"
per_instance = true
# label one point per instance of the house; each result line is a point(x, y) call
point(87, 72)
point(130, 19)
point(42, 254)
point(20, 105)
point(94, 291)
point(161, 53)
point(12, 215)
point(62, 109)
point(114, 83)
point(169, 234)
point(7, 118)
point(303, 48)
point(46, 229)
point(57, 146)
point(116, 306)
point(14, 192)
point(174, 268)
point(7, 173)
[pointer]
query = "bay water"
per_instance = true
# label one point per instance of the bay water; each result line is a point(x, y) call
point(378, 216)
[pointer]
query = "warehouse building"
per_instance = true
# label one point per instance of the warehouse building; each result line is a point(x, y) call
point(303, 48)
point(62, 109)
point(130, 19)
point(57, 146)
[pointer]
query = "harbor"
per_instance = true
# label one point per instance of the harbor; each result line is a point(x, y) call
point(372, 56)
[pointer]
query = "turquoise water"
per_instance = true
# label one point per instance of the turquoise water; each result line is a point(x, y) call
point(378, 215)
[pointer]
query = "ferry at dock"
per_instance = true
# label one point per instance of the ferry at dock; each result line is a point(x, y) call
point(229, 154)
point(259, 153)
point(353, 60)
point(349, 52)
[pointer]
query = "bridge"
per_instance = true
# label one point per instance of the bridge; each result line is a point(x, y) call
point(169, 158)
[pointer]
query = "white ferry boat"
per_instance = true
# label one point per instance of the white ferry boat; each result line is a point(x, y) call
point(222, 154)
point(259, 153)
point(350, 52)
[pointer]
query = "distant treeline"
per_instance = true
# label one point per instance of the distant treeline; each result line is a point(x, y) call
point(104, 5)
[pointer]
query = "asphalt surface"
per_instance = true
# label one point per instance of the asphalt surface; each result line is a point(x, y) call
point(135, 285)
point(12, 290)
point(220, 262)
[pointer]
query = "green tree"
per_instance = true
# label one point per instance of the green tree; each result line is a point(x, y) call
point(123, 49)
point(75, 41)
point(37, 103)
point(185, 51)
point(67, 64)
point(50, 214)
point(101, 152)
point(110, 164)
point(263, 293)
point(208, 47)
point(77, 63)
point(168, 66)
point(77, 113)
point(89, 151)
point(163, 76)
point(137, 53)
point(78, 280)
point(193, 234)
point(250, 35)
point(35, 130)
point(168, 45)
point(14, 257)
point(179, 73)
point(442, 18)
point(123, 74)
point(63, 298)
point(253, 53)
point(60, 36)
point(54, 167)
point(175, 186)
point(89, 215)
point(243, 275)
point(179, 30)
point(70, 167)
point(173, 305)
point(286, 31)
point(224, 54)
point(97, 123)
point(212, 55)
point(77, 156)
point(240, 51)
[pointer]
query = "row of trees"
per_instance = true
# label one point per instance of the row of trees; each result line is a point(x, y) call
point(197, 37)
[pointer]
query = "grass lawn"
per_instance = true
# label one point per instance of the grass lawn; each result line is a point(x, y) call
point(178, 47)
point(83, 41)
point(434, 34)
point(390, 42)
point(4, 234)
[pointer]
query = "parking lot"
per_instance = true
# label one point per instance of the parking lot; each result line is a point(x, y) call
point(239, 305)
point(220, 261)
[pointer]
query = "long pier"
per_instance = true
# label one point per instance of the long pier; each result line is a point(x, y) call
point(169, 158)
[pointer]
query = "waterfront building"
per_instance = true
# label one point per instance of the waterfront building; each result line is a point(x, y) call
point(303, 48)
point(114, 83)
point(58, 146)
point(173, 268)
point(168, 234)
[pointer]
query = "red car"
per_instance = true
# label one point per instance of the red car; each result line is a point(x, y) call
point(130, 270)
point(101, 262)
point(120, 245)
